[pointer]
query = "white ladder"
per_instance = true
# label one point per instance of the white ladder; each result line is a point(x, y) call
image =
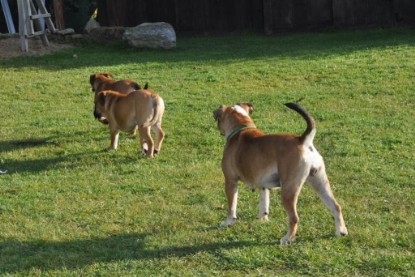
point(8, 16)
point(28, 16)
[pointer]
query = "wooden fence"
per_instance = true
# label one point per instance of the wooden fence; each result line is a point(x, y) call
point(201, 16)
point(206, 16)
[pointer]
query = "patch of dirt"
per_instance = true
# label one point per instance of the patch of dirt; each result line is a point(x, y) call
point(10, 47)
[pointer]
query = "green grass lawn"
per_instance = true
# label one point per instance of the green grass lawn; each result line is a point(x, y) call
point(68, 207)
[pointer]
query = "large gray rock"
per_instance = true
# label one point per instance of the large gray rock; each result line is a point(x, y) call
point(151, 35)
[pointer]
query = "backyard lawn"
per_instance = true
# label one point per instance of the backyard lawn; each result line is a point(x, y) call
point(70, 207)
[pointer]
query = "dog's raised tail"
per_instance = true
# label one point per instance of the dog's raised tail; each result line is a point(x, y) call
point(158, 110)
point(308, 135)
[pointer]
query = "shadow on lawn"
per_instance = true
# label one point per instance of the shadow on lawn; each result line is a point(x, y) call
point(27, 165)
point(42, 163)
point(61, 154)
point(23, 144)
point(17, 256)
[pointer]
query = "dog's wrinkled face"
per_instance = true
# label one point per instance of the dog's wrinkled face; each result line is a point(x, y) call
point(99, 107)
point(94, 78)
point(245, 109)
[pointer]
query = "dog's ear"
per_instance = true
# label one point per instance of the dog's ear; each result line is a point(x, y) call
point(248, 107)
point(108, 75)
point(92, 79)
point(146, 86)
point(251, 108)
point(218, 112)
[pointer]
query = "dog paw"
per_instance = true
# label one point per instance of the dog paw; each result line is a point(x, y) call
point(286, 240)
point(228, 222)
point(144, 152)
point(342, 232)
point(263, 217)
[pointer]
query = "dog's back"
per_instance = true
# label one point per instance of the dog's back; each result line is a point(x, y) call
point(103, 81)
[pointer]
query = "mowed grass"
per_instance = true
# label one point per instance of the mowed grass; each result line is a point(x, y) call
point(68, 207)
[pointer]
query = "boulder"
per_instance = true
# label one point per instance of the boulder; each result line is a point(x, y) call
point(151, 35)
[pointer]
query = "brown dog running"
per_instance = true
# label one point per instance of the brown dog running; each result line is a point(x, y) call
point(104, 81)
point(142, 108)
point(262, 161)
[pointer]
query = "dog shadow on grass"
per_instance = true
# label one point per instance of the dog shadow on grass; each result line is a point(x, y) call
point(20, 256)
point(12, 166)
point(22, 144)
point(60, 153)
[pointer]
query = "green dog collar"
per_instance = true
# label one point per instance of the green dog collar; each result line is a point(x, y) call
point(238, 129)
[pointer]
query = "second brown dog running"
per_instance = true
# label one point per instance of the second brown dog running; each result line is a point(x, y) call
point(104, 81)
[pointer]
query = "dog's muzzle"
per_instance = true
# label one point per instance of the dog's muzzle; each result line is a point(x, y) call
point(97, 115)
point(101, 119)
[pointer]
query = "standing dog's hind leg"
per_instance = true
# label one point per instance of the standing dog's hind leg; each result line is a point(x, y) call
point(289, 196)
point(321, 185)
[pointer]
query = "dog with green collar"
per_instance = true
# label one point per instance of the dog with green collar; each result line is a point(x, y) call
point(268, 161)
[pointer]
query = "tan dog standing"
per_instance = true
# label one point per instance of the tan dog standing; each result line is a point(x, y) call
point(142, 108)
point(270, 161)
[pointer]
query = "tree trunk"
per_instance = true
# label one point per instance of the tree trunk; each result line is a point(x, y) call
point(59, 18)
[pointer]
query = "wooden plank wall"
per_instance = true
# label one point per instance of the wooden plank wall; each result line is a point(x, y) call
point(205, 16)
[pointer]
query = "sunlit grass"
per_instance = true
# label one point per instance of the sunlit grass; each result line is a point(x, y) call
point(69, 207)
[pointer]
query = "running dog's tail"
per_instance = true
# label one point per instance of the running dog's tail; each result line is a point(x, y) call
point(158, 110)
point(309, 133)
point(136, 86)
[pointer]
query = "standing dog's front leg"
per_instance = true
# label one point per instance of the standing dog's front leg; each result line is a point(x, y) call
point(231, 191)
point(263, 204)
